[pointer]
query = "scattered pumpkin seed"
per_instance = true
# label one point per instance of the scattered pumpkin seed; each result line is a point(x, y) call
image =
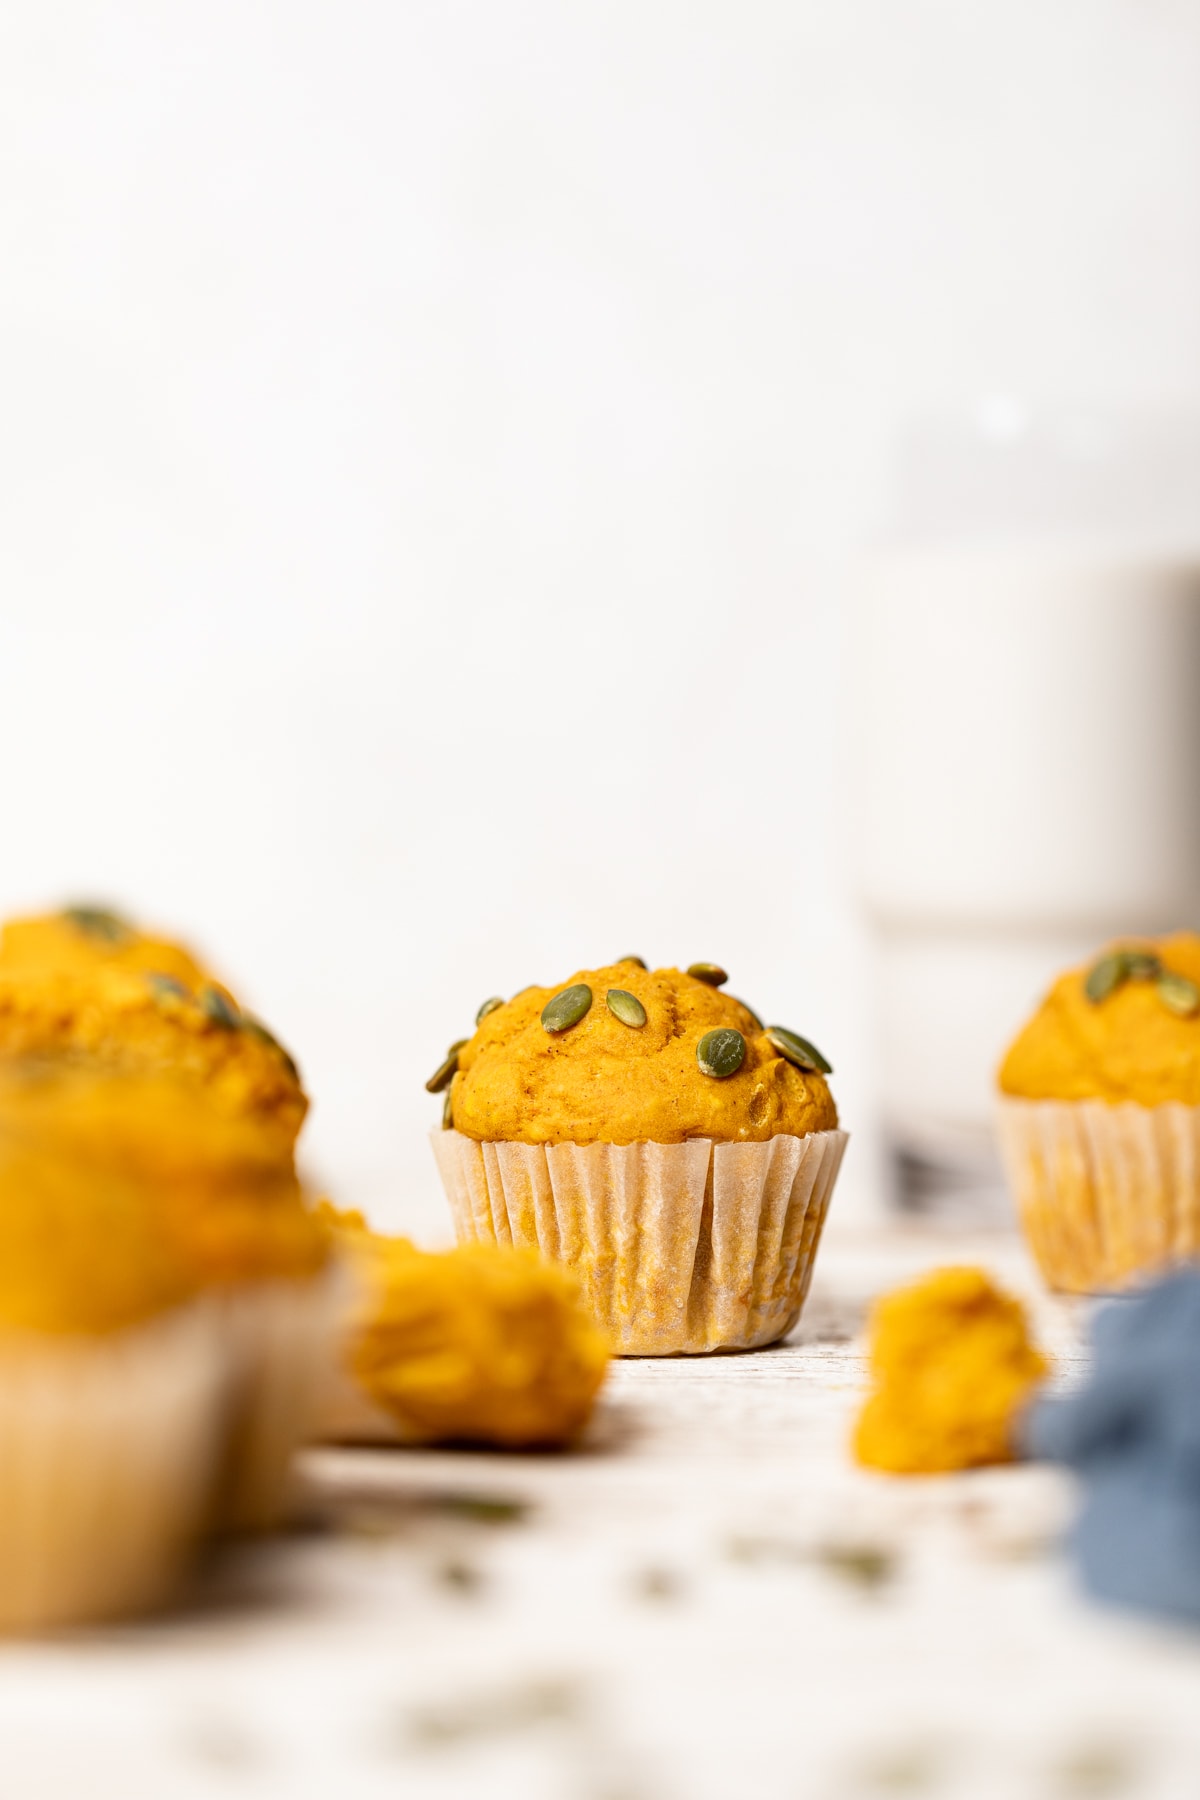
point(218, 1007)
point(567, 1008)
point(626, 1007)
point(443, 1075)
point(1142, 965)
point(166, 987)
point(1178, 993)
point(258, 1030)
point(711, 974)
point(633, 959)
point(797, 1050)
point(746, 1007)
point(1106, 976)
point(448, 1109)
point(98, 922)
point(489, 1006)
point(721, 1053)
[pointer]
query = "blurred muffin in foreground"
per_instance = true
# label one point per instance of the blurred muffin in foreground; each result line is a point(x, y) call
point(1099, 1117)
point(112, 1385)
point(477, 1345)
point(648, 1130)
point(227, 1199)
point(85, 986)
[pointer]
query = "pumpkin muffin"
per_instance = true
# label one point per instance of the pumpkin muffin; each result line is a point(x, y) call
point(1100, 1117)
point(229, 1202)
point(645, 1128)
point(112, 1382)
point(85, 987)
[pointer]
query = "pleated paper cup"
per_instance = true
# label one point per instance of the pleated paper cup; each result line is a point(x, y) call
point(281, 1338)
point(680, 1248)
point(108, 1453)
point(1109, 1195)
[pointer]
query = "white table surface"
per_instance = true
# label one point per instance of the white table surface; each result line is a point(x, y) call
point(707, 1601)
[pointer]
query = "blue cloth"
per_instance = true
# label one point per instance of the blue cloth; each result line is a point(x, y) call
point(1133, 1434)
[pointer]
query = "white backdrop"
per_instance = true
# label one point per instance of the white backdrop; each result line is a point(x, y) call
point(433, 441)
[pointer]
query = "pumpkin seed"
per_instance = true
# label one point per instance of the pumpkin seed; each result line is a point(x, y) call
point(166, 987)
point(218, 1007)
point(711, 974)
point(626, 1007)
point(746, 1008)
point(721, 1053)
point(633, 959)
point(98, 922)
point(448, 1109)
point(1178, 993)
point(1106, 976)
point(1142, 965)
point(443, 1075)
point(489, 1006)
point(797, 1050)
point(567, 1008)
point(258, 1030)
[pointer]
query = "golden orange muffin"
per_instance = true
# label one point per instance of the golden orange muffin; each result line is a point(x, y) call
point(1100, 1117)
point(112, 1384)
point(951, 1365)
point(646, 1129)
point(602, 1081)
point(129, 1022)
point(226, 1197)
point(479, 1344)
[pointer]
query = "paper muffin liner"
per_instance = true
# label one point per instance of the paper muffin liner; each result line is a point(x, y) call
point(108, 1452)
point(679, 1247)
point(1109, 1195)
point(281, 1338)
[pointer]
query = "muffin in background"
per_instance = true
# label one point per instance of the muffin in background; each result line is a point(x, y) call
point(86, 986)
point(645, 1128)
point(1099, 1117)
point(112, 1385)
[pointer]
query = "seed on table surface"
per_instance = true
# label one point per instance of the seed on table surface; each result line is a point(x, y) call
point(721, 1053)
point(1178, 993)
point(489, 1006)
point(746, 1007)
point(166, 987)
point(797, 1050)
point(1142, 965)
point(566, 1009)
point(633, 959)
point(98, 922)
point(443, 1075)
point(218, 1007)
point(626, 1007)
point(1106, 976)
point(711, 974)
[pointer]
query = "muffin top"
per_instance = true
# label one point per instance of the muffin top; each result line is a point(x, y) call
point(190, 1197)
point(85, 937)
point(623, 1055)
point(1125, 1027)
point(103, 994)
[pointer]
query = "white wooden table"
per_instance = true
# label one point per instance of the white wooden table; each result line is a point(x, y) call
point(706, 1602)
